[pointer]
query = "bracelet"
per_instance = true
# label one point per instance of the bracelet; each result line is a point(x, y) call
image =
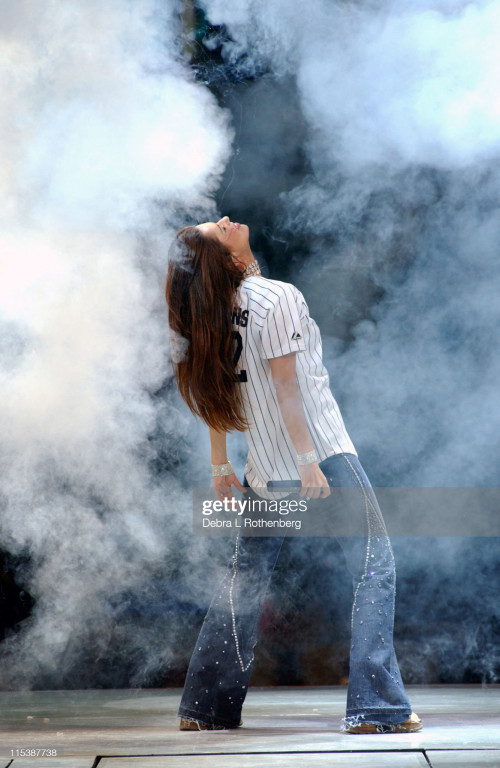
point(222, 469)
point(307, 458)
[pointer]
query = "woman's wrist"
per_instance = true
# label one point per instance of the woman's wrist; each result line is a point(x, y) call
point(310, 457)
point(222, 469)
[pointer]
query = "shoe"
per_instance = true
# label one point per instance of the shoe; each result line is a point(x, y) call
point(411, 725)
point(197, 725)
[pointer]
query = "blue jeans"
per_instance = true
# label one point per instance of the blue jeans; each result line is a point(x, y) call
point(221, 665)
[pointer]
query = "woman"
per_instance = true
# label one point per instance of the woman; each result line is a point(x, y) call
point(247, 356)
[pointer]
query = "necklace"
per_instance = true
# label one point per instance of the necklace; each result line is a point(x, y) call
point(251, 269)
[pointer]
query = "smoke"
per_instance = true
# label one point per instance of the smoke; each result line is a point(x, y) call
point(390, 84)
point(398, 212)
point(108, 146)
point(106, 141)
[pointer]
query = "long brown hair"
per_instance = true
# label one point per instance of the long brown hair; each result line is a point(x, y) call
point(202, 280)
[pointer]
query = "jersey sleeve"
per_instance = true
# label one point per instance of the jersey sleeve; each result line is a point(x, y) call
point(282, 331)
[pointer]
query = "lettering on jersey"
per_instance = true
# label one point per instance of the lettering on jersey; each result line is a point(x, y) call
point(240, 317)
point(242, 375)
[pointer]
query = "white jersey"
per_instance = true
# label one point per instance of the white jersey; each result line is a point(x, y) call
point(271, 319)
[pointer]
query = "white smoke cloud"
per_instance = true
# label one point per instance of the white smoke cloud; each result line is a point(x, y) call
point(105, 138)
point(397, 84)
point(400, 214)
point(402, 107)
point(101, 122)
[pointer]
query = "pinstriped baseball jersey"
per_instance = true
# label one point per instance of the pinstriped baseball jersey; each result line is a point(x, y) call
point(271, 319)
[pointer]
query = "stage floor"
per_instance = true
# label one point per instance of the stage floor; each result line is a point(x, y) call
point(296, 727)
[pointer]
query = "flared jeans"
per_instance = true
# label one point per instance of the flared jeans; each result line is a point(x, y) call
point(219, 672)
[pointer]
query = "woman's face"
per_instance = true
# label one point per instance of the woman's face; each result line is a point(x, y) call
point(232, 234)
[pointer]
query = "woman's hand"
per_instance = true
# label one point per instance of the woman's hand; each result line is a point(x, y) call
point(223, 485)
point(314, 483)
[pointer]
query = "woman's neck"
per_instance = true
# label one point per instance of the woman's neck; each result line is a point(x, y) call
point(244, 258)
